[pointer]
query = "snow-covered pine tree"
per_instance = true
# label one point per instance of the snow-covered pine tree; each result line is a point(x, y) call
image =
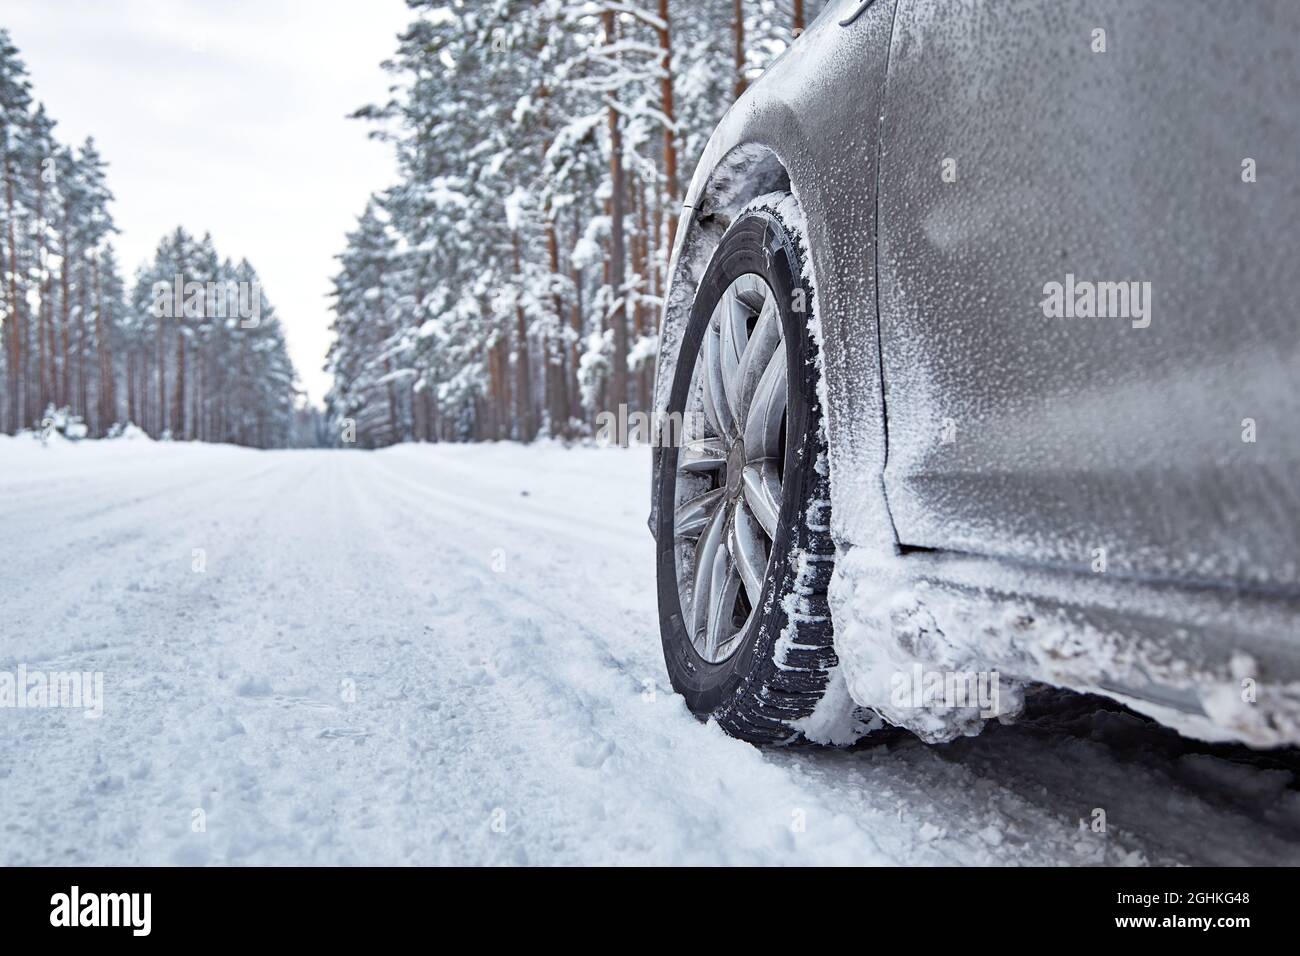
point(360, 357)
point(72, 340)
point(15, 129)
point(541, 147)
point(209, 361)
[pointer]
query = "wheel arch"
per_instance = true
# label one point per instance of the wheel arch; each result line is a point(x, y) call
point(734, 172)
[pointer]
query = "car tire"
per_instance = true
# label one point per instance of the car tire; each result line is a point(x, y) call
point(767, 690)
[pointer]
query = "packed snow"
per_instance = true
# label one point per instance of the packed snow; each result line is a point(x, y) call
point(445, 654)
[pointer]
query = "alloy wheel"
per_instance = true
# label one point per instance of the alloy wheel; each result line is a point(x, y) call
point(729, 475)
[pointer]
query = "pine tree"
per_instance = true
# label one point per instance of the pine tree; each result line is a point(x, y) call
point(525, 248)
point(15, 101)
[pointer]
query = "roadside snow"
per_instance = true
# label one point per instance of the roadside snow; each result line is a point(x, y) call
point(449, 654)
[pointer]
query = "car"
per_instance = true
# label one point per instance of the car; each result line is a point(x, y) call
point(983, 344)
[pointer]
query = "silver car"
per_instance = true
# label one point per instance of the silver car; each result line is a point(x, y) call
point(978, 371)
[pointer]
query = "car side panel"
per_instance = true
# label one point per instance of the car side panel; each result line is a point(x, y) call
point(1065, 440)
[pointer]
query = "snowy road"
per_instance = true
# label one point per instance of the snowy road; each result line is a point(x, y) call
point(450, 655)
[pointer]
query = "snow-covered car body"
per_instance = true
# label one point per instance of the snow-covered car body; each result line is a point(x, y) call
point(1050, 246)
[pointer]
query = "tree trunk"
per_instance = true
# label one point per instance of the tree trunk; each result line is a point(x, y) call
point(643, 325)
point(503, 400)
point(178, 409)
point(160, 425)
point(739, 23)
point(557, 385)
point(670, 132)
point(493, 408)
point(65, 324)
point(526, 429)
point(83, 390)
point(17, 414)
point(557, 381)
point(575, 402)
point(131, 409)
point(47, 348)
point(798, 17)
point(36, 388)
point(618, 314)
point(426, 402)
point(104, 355)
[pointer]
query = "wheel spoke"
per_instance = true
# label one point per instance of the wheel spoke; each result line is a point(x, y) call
point(762, 343)
point(702, 455)
point(692, 516)
point(722, 599)
point(733, 334)
point(715, 398)
point(762, 489)
point(708, 554)
point(767, 410)
point(745, 543)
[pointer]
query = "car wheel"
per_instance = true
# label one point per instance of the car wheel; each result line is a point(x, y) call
point(744, 545)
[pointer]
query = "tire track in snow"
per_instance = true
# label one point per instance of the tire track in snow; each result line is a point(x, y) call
point(606, 727)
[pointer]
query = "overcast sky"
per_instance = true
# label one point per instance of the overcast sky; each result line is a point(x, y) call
point(226, 117)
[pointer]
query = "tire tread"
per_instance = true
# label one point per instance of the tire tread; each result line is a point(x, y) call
point(778, 694)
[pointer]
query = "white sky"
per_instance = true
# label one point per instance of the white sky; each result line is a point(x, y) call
point(229, 117)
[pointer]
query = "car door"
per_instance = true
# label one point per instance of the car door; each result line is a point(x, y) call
point(1088, 241)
